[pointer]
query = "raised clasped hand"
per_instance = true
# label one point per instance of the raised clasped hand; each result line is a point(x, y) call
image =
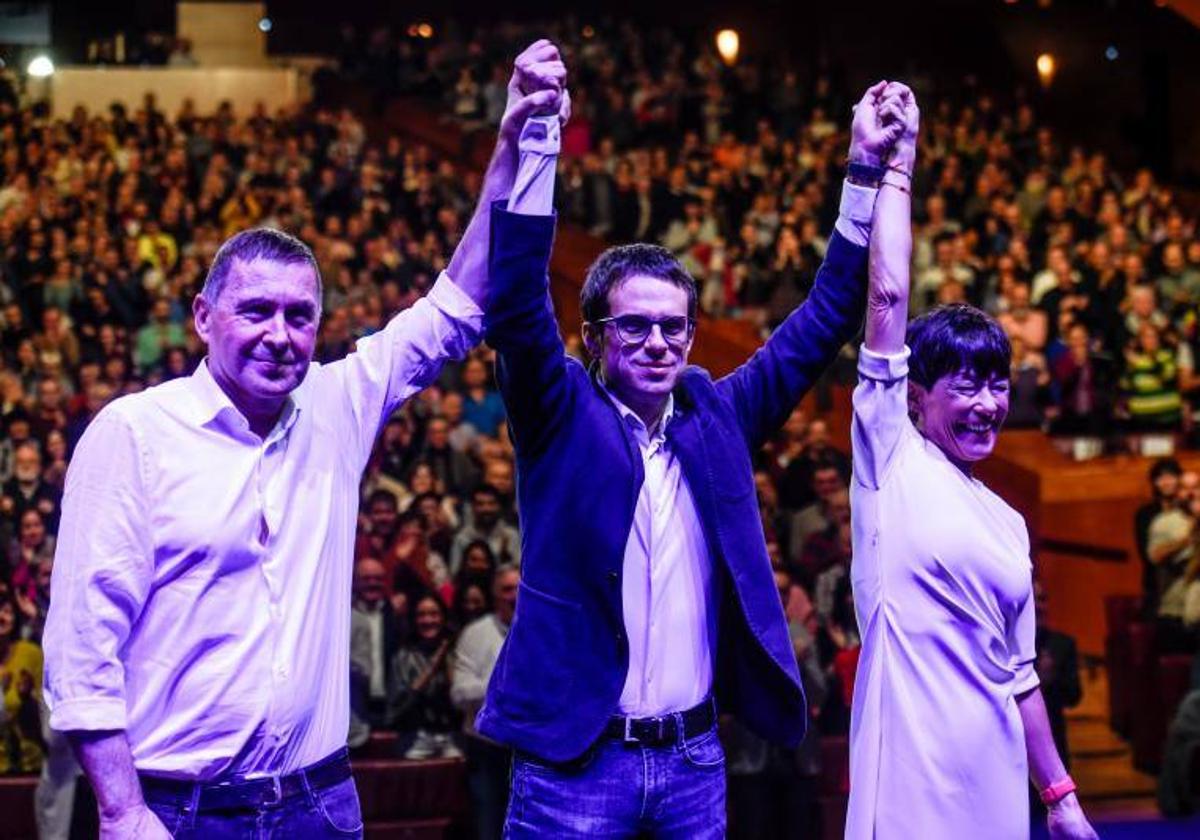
point(537, 86)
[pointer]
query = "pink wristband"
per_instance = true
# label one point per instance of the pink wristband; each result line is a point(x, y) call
point(1053, 794)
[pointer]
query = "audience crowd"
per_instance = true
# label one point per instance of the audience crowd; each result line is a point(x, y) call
point(1093, 273)
point(108, 221)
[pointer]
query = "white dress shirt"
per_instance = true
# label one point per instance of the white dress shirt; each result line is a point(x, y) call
point(202, 578)
point(668, 589)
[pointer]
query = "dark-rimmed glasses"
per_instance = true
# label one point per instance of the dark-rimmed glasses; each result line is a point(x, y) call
point(635, 329)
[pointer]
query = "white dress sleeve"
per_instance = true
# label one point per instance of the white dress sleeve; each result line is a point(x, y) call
point(880, 414)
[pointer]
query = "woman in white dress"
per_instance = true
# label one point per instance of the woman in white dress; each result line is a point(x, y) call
point(948, 722)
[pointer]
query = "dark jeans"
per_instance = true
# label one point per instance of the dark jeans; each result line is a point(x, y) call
point(488, 766)
point(329, 812)
point(618, 790)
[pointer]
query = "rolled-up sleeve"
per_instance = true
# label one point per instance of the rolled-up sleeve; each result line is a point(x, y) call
point(103, 568)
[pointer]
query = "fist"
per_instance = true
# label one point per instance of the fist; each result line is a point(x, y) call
point(898, 107)
point(537, 86)
point(871, 139)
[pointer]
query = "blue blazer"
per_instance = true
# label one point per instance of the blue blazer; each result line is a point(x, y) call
point(561, 670)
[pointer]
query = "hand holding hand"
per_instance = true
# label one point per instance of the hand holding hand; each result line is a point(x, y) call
point(898, 107)
point(537, 86)
point(871, 140)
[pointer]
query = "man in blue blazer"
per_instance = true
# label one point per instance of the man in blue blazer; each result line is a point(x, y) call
point(647, 599)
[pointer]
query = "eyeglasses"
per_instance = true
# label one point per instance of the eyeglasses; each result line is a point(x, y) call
point(635, 329)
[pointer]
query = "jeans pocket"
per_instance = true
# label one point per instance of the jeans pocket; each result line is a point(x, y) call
point(532, 764)
point(704, 751)
point(340, 808)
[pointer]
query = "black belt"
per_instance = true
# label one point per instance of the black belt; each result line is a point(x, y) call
point(250, 794)
point(664, 730)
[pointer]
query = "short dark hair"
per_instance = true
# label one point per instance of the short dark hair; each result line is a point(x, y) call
point(486, 490)
point(1165, 466)
point(956, 337)
point(620, 262)
point(261, 243)
point(385, 496)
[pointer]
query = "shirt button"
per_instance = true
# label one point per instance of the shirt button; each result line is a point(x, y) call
point(613, 577)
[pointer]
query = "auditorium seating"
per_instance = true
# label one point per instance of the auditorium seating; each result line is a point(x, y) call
point(1145, 686)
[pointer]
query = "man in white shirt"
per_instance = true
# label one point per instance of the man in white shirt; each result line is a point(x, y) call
point(197, 653)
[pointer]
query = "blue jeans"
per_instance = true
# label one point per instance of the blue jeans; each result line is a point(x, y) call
point(330, 812)
point(620, 790)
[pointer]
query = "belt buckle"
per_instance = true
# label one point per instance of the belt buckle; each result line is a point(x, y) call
point(630, 738)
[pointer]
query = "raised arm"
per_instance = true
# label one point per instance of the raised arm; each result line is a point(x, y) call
point(891, 229)
point(881, 398)
point(766, 388)
point(407, 355)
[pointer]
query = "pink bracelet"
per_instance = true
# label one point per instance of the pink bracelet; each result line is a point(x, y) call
point(1053, 794)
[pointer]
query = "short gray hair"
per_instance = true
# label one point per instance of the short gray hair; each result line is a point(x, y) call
point(262, 243)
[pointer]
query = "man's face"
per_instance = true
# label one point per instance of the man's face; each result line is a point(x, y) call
point(504, 594)
point(639, 372)
point(487, 510)
point(370, 581)
point(962, 413)
point(452, 407)
point(261, 331)
point(27, 464)
point(438, 433)
point(383, 517)
point(499, 474)
point(826, 482)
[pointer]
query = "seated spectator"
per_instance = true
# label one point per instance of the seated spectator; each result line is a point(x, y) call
point(376, 630)
point(453, 468)
point(1164, 478)
point(419, 692)
point(827, 479)
point(472, 599)
point(838, 644)
point(154, 339)
point(482, 406)
point(1030, 386)
point(1150, 386)
point(27, 490)
point(32, 549)
point(799, 486)
point(1084, 382)
point(1022, 321)
point(1170, 547)
point(21, 683)
point(826, 549)
point(485, 523)
point(475, 656)
point(462, 434)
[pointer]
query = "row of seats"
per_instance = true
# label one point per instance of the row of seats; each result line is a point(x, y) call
point(1145, 687)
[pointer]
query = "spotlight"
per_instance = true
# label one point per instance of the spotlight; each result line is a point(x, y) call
point(265, 25)
point(728, 44)
point(1111, 53)
point(425, 30)
point(589, 31)
point(40, 67)
point(1046, 66)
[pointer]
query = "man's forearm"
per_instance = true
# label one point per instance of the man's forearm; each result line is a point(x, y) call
point(108, 763)
point(468, 266)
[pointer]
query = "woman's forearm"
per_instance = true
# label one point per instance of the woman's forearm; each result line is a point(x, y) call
point(1045, 764)
point(891, 255)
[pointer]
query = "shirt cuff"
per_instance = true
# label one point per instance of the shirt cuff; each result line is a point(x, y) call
point(456, 304)
point(883, 367)
point(90, 714)
point(855, 213)
point(533, 188)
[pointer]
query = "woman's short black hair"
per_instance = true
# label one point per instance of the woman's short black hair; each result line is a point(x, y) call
point(956, 337)
point(618, 264)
